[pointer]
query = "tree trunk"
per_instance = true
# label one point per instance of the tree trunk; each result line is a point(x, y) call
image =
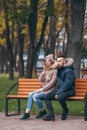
point(20, 50)
point(32, 23)
point(34, 46)
point(2, 59)
point(76, 33)
point(52, 27)
point(49, 45)
point(8, 42)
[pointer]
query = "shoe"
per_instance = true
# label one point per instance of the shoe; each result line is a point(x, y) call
point(64, 115)
point(25, 116)
point(49, 118)
point(41, 114)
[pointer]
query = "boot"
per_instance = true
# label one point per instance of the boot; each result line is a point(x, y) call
point(64, 114)
point(49, 117)
point(41, 114)
point(25, 116)
point(65, 110)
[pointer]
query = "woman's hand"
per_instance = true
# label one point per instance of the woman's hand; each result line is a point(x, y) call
point(43, 72)
point(38, 91)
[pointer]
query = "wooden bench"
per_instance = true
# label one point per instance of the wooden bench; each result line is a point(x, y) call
point(24, 86)
point(28, 85)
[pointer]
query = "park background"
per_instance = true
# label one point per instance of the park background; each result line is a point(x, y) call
point(31, 29)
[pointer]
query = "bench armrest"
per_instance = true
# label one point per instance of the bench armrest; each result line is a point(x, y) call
point(10, 89)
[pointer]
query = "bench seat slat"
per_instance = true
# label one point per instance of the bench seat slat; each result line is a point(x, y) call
point(26, 89)
point(29, 86)
point(80, 86)
point(27, 79)
point(25, 92)
point(80, 94)
point(26, 96)
point(30, 83)
point(76, 98)
point(81, 80)
point(81, 90)
point(17, 96)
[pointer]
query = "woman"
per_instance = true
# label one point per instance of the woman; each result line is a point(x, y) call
point(48, 78)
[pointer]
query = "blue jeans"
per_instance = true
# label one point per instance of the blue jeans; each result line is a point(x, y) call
point(37, 98)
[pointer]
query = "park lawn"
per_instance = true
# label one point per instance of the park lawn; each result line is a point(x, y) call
point(75, 107)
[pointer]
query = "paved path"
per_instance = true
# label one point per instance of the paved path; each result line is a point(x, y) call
point(14, 123)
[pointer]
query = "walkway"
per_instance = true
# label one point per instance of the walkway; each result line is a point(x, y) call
point(14, 123)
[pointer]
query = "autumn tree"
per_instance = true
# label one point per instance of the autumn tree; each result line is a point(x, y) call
point(34, 20)
point(8, 41)
point(34, 45)
point(75, 39)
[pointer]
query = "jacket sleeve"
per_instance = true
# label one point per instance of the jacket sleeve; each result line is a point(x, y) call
point(51, 83)
point(41, 76)
point(67, 83)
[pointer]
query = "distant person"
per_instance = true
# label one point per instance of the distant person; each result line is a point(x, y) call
point(48, 78)
point(65, 87)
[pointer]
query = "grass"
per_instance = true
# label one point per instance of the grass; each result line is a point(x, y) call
point(75, 107)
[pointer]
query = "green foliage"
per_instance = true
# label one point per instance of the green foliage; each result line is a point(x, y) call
point(20, 14)
point(49, 12)
point(5, 84)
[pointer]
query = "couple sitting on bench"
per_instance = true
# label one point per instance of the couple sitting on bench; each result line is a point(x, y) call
point(58, 80)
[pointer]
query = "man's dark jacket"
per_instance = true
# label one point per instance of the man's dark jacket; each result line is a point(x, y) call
point(66, 80)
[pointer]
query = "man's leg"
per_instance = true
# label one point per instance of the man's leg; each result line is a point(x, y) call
point(48, 99)
point(62, 100)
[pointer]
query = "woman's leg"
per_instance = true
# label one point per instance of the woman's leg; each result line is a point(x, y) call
point(30, 102)
point(29, 106)
point(37, 98)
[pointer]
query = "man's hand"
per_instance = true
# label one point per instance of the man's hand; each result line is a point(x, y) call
point(56, 97)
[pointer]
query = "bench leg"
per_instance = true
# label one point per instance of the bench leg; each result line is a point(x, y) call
point(6, 108)
point(85, 108)
point(19, 106)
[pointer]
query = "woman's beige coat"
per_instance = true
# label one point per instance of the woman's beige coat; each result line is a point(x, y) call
point(48, 77)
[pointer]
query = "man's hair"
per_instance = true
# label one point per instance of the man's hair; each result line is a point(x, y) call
point(61, 56)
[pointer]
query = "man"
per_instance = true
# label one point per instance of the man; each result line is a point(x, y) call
point(65, 87)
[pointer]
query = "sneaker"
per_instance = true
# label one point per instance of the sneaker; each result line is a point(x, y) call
point(25, 116)
point(64, 115)
point(49, 117)
point(41, 114)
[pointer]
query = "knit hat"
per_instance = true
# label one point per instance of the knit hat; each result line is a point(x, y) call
point(50, 56)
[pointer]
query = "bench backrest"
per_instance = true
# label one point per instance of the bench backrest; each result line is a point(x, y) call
point(81, 87)
point(28, 85)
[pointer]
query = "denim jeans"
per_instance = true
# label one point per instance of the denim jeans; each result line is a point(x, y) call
point(37, 98)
